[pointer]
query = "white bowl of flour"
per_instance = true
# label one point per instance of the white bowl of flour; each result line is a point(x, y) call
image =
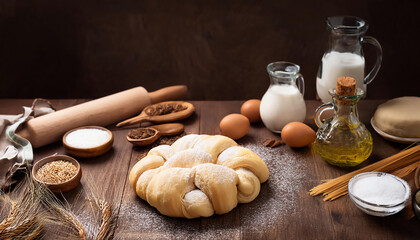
point(88, 141)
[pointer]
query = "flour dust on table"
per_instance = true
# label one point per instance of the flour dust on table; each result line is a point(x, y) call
point(278, 195)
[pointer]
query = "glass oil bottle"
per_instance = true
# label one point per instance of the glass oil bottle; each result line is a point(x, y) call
point(343, 140)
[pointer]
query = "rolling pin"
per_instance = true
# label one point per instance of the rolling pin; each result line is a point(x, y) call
point(103, 111)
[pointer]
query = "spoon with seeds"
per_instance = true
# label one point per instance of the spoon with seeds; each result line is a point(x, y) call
point(148, 135)
point(162, 112)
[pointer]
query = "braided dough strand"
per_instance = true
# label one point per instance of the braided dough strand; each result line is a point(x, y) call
point(198, 175)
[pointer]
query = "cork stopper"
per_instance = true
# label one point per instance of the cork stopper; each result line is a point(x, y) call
point(346, 86)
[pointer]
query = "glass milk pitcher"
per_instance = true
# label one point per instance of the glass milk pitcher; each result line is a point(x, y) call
point(344, 56)
point(283, 102)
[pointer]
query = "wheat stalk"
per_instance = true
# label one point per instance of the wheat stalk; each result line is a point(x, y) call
point(33, 208)
point(62, 215)
point(73, 222)
point(27, 229)
point(107, 222)
point(9, 219)
point(21, 221)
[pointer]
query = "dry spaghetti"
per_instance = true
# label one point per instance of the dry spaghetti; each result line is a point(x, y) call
point(400, 165)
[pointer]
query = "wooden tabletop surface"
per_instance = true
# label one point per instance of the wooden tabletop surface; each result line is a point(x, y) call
point(283, 210)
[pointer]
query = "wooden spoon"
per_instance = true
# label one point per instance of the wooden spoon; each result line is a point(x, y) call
point(168, 129)
point(170, 117)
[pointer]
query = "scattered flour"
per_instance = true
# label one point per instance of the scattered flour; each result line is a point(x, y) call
point(276, 200)
point(278, 195)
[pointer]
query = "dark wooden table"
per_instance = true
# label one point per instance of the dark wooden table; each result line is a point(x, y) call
point(283, 210)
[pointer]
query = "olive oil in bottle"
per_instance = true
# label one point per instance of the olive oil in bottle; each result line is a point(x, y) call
point(343, 140)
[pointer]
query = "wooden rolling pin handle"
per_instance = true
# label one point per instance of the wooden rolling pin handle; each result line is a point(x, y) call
point(168, 93)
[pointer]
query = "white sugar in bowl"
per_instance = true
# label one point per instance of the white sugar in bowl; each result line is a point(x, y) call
point(379, 194)
point(88, 141)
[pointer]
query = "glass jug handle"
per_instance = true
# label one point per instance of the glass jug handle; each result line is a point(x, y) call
point(320, 110)
point(372, 74)
point(301, 84)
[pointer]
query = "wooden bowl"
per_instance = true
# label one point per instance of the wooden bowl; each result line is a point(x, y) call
point(417, 178)
point(91, 151)
point(59, 187)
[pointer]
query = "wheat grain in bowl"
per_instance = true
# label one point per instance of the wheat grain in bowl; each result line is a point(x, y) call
point(58, 171)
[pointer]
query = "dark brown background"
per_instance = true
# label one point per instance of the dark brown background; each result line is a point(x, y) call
point(87, 48)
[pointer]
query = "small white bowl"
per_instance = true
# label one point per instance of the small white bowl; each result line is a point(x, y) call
point(375, 209)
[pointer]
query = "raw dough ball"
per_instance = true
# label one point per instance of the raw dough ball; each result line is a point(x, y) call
point(399, 117)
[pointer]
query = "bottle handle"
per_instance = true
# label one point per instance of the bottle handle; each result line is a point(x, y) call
point(372, 74)
point(320, 110)
point(301, 84)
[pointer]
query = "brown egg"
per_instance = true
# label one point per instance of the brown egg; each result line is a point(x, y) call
point(234, 126)
point(297, 134)
point(251, 110)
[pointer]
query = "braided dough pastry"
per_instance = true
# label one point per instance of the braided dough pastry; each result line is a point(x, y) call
point(198, 175)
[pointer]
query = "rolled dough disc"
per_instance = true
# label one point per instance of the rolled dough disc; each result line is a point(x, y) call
point(399, 117)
